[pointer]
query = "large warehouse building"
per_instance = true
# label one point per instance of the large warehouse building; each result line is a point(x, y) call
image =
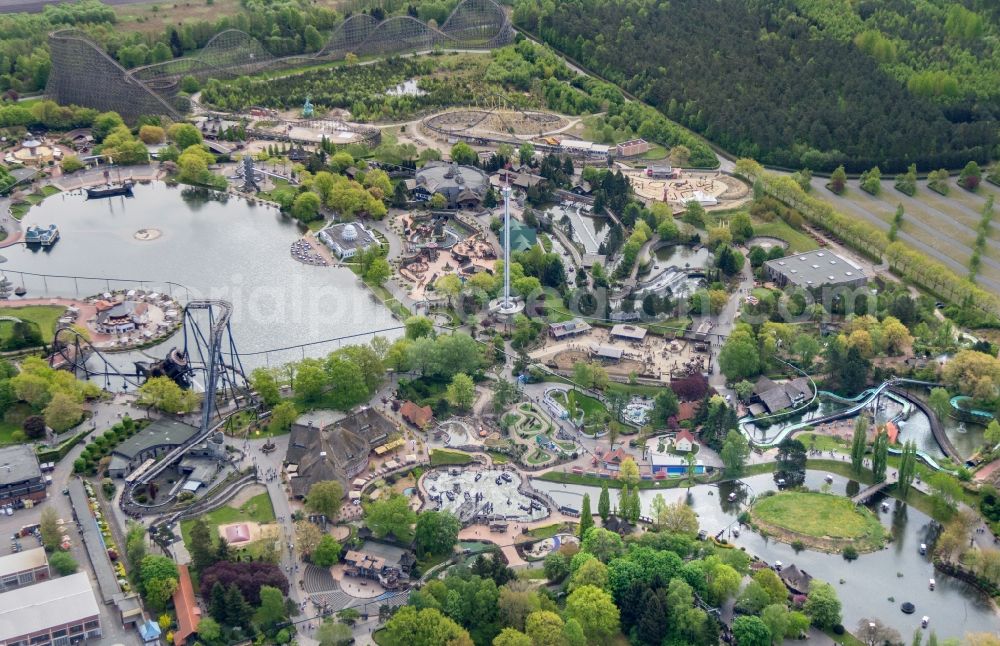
point(815, 270)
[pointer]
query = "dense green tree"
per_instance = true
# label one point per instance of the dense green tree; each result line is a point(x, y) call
point(461, 392)
point(822, 605)
point(586, 518)
point(665, 406)
point(427, 627)
point(325, 497)
point(200, 545)
point(437, 532)
point(880, 450)
point(391, 516)
point(266, 386)
point(326, 552)
point(859, 443)
point(751, 631)
point(734, 454)
point(272, 610)
point(462, 153)
point(604, 503)
point(596, 612)
point(907, 467)
point(63, 563)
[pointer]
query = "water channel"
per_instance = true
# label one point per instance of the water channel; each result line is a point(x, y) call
point(229, 250)
point(899, 571)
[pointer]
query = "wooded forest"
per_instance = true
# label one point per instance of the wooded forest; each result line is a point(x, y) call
point(284, 28)
point(814, 83)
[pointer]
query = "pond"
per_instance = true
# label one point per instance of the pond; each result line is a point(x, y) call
point(683, 256)
point(225, 250)
point(898, 571)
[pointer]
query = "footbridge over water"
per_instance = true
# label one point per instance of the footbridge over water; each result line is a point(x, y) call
point(865, 495)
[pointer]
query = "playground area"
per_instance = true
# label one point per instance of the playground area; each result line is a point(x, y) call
point(582, 410)
point(637, 410)
point(546, 546)
point(652, 358)
point(487, 493)
point(711, 189)
point(438, 246)
point(532, 427)
point(244, 533)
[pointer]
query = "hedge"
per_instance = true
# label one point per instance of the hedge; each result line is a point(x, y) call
point(58, 453)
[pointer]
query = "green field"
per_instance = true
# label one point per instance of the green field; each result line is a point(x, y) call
point(823, 521)
point(258, 509)
point(440, 457)
point(821, 442)
point(44, 316)
point(797, 240)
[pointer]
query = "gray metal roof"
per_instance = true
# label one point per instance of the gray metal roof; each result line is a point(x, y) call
point(817, 268)
point(162, 432)
point(107, 581)
point(18, 464)
point(38, 607)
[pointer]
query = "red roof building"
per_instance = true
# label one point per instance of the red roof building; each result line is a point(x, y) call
point(419, 417)
point(188, 612)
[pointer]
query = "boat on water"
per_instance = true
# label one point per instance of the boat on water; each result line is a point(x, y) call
point(110, 190)
point(44, 236)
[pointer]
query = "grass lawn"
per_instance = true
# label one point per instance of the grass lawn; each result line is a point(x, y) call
point(440, 457)
point(7, 431)
point(797, 240)
point(257, 509)
point(824, 521)
point(18, 211)
point(822, 442)
point(590, 407)
point(671, 327)
point(546, 531)
point(498, 458)
point(45, 316)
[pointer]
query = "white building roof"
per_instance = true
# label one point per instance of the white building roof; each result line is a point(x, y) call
point(37, 607)
point(21, 561)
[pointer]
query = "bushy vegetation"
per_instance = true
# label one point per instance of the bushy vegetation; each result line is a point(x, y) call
point(904, 74)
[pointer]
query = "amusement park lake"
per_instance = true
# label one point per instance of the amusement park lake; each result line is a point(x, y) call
point(226, 250)
point(954, 607)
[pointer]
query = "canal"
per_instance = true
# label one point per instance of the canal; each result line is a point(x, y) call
point(899, 572)
point(227, 250)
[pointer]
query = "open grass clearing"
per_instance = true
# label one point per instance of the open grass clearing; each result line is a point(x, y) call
point(44, 316)
point(440, 457)
point(797, 240)
point(822, 521)
point(257, 510)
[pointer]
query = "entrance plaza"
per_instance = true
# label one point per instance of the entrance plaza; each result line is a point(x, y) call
point(652, 357)
point(484, 492)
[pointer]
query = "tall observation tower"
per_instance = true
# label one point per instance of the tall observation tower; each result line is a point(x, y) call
point(506, 306)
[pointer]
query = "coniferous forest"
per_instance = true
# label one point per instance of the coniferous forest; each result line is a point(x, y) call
point(814, 83)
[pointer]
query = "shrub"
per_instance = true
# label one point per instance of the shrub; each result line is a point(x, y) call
point(850, 553)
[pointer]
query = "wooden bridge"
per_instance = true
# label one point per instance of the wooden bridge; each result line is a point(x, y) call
point(863, 496)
